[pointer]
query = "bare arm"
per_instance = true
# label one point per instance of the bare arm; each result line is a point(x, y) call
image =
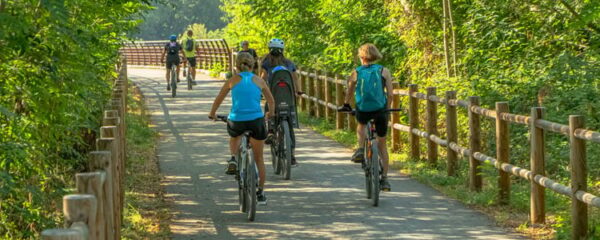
point(263, 74)
point(351, 87)
point(163, 55)
point(388, 86)
point(219, 99)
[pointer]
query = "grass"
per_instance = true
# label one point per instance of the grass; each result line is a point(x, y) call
point(146, 215)
point(514, 216)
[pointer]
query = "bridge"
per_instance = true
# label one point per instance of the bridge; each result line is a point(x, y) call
point(325, 198)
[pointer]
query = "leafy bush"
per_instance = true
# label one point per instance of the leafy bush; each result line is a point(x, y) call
point(56, 67)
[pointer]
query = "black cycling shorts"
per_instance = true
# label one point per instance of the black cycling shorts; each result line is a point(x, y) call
point(380, 117)
point(256, 127)
point(192, 62)
point(172, 61)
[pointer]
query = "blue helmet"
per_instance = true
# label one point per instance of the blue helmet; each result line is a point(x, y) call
point(173, 37)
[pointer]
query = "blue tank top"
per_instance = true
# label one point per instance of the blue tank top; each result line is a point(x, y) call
point(246, 99)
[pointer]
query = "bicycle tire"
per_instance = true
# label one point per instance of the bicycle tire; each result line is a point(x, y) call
point(287, 152)
point(173, 81)
point(375, 174)
point(367, 168)
point(274, 157)
point(252, 181)
point(241, 182)
point(189, 81)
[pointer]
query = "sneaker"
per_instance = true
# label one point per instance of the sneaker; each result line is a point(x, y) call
point(261, 198)
point(359, 156)
point(178, 80)
point(385, 185)
point(169, 87)
point(294, 162)
point(231, 167)
point(269, 139)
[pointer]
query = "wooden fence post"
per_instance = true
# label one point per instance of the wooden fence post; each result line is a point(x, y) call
point(328, 99)
point(62, 234)
point(302, 81)
point(537, 204)
point(92, 183)
point(475, 180)
point(413, 114)
point(502, 152)
point(318, 94)
point(579, 210)
point(432, 148)
point(109, 142)
point(395, 119)
point(339, 101)
point(311, 93)
point(80, 208)
point(451, 132)
point(101, 161)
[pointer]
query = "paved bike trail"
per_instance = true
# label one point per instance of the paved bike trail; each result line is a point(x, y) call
point(324, 200)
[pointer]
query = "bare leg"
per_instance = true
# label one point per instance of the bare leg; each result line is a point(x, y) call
point(234, 144)
point(257, 148)
point(193, 70)
point(178, 68)
point(360, 134)
point(383, 153)
point(168, 76)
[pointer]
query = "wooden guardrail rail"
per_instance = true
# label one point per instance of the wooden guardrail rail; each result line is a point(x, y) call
point(95, 212)
point(148, 53)
point(324, 93)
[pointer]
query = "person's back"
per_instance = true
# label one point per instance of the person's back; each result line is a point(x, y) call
point(171, 50)
point(190, 47)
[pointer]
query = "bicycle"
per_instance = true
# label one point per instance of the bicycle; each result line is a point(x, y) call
point(247, 175)
point(189, 77)
point(173, 80)
point(281, 146)
point(372, 164)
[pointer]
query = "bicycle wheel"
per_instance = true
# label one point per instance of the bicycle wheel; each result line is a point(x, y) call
point(251, 182)
point(375, 173)
point(287, 151)
point(173, 81)
point(274, 157)
point(367, 168)
point(189, 81)
point(241, 183)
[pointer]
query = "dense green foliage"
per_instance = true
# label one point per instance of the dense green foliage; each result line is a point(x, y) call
point(529, 53)
point(56, 67)
point(173, 17)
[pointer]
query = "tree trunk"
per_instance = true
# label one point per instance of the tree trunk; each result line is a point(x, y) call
point(446, 50)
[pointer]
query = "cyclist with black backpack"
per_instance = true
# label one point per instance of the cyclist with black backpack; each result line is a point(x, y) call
point(371, 85)
point(172, 50)
point(271, 61)
point(190, 47)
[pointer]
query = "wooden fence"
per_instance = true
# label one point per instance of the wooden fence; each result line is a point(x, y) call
point(148, 53)
point(95, 212)
point(324, 93)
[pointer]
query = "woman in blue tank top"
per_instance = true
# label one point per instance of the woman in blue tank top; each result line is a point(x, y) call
point(246, 115)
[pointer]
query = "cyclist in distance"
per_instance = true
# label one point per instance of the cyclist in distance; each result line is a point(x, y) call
point(371, 85)
point(190, 47)
point(246, 115)
point(273, 59)
point(246, 48)
point(172, 50)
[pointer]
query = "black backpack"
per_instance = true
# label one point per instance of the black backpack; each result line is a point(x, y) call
point(189, 44)
point(173, 48)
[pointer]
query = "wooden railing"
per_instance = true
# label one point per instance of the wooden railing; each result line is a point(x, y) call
point(324, 93)
point(95, 212)
point(148, 53)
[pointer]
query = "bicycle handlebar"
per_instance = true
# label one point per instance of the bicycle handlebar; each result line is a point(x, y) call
point(222, 118)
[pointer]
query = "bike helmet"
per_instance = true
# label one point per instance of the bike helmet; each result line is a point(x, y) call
point(276, 43)
point(173, 38)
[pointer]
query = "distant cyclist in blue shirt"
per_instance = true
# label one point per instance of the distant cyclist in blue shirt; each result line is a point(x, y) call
point(246, 115)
